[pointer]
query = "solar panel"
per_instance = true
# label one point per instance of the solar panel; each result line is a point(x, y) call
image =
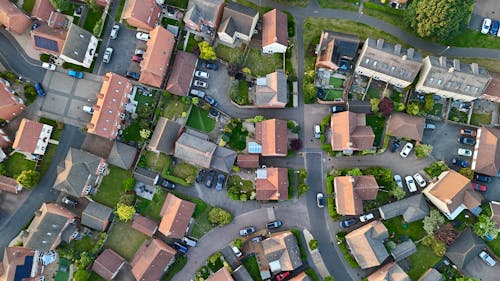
point(254, 147)
point(45, 43)
point(24, 271)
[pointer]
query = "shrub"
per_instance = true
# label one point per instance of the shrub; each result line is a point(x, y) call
point(413, 109)
point(423, 150)
point(313, 244)
point(129, 183)
point(466, 172)
point(127, 198)
point(238, 243)
point(44, 57)
point(28, 178)
point(374, 104)
point(219, 216)
point(436, 168)
point(125, 212)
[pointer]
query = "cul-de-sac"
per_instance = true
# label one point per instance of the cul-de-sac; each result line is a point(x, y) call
point(249, 140)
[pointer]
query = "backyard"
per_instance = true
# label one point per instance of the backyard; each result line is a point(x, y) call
point(151, 209)
point(402, 230)
point(198, 119)
point(377, 124)
point(250, 263)
point(124, 240)
point(185, 171)
point(239, 92)
point(16, 163)
point(173, 106)
point(111, 186)
point(131, 133)
point(28, 5)
point(479, 119)
point(421, 261)
point(157, 162)
point(63, 274)
point(457, 116)
point(235, 135)
point(258, 63)
point(92, 18)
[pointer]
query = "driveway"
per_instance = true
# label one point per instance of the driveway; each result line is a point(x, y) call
point(218, 85)
point(484, 9)
point(314, 116)
point(477, 269)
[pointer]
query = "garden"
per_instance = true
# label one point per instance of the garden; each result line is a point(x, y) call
point(456, 115)
point(235, 135)
point(172, 106)
point(93, 22)
point(258, 64)
point(479, 119)
point(201, 224)
point(377, 123)
point(239, 92)
point(112, 186)
point(240, 189)
point(250, 263)
point(124, 240)
point(151, 208)
point(198, 119)
point(16, 164)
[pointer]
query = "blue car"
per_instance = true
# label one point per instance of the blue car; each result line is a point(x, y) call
point(459, 162)
point(395, 146)
point(347, 223)
point(39, 89)
point(494, 27)
point(75, 74)
point(211, 100)
point(133, 75)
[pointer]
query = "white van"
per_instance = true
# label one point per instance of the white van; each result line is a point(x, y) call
point(49, 66)
point(317, 131)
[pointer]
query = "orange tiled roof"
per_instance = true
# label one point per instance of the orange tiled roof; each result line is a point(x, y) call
point(157, 57)
point(351, 191)
point(405, 126)
point(10, 105)
point(221, 275)
point(16, 257)
point(274, 186)
point(151, 259)
point(274, 28)
point(182, 72)
point(487, 154)
point(144, 225)
point(143, 14)
point(176, 214)
point(349, 132)
point(273, 136)
point(13, 18)
point(27, 135)
point(248, 161)
point(42, 10)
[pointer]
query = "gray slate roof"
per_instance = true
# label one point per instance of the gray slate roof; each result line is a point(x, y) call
point(237, 18)
point(77, 42)
point(164, 136)
point(145, 176)
point(122, 155)
point(200, 11)
point(412, 209)
point(466, 247)
point(96, 216)
point(223, 159)
point(230, 257)
point(404, 250)
point(194, 150)
point(264, 95)
point(241, 274)
point(431, 275)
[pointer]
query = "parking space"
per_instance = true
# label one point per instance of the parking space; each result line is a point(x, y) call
point(315, 113)
point(218, 84)
point(484, 9)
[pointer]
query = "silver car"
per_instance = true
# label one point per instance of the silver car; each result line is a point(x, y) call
point(420, 180)
point(398, 180)
point(114, 31)
point(201, 84)
point(107, 55)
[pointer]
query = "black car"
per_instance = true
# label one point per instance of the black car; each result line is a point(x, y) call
point(167, 184)
point(209, 65)
point(336, 108)
point(210, 179)
point(274, 224)
point(220, 181)
point(247, 230)
point(133, 75)
point(200, 176)
point(69, 201)
point(395, 145)
point(483, 178)
point(459, 162)
point(347, 223)
point(467, 141)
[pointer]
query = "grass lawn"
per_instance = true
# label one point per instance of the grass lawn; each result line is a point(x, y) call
point(382, 199)
point(473, 38)
point(95, 277)
point(120, 10)
point(191, 45)
point(242, 93)
point(47, 158)
point(131, 133)
point(92, 18)
point(377, 124)
point(250, 263)
point(142, 99)
point(198, 119)
point(414, 230)
point(457, 116)
point(421, 261)
point(111, 186)
point(261, 64)
point(62, 276)
point(480, 119)
point(333, 94)
point(124, 240)
point(173, 107)
point(184, 170)
point(158, 163)
point(494, 245)
point(373, 93)
point(231, 55)
point(201, 224)
point(17, 163)
point(28, 5)
point(238, 137)
point(436, 109)
point(179, 263)
point(339, 4)
point(336, 82)
point(151, 209)
point(385, 13)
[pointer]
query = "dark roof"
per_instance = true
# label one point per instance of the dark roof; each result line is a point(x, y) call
point(223, 159)
point(194, 150)
point(466, 247)
point(404, 250)
point(146, 176)
point(67, 233)
point(108, 264)
point(46, 43)
point(237, 18)
point(164, 136)
point(96, 216)
point(241, 274)
point(77, 42)
point(122, 155)
point(144, 225)
point(431, 275)
point(181, 74)
point(412, 208)
point(230, 257)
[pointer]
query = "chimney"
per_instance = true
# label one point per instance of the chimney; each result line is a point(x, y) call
point(404, 57)
point(380, 43)
point(397, 49)
point(410, 53)
point(442, 61)
point(475, 68)
point(456, 64)
point(448, 201)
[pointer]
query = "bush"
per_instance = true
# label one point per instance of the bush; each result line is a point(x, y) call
point(44, 57)
point(127, 198)
point(219, 216)
point(125, 212)
point(466, 172)
point(238, 243)
point(436, 168)
point(28, 178)
point(313, 244)
point(423, 150)
point(129, 183)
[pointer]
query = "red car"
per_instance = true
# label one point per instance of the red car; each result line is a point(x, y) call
point(137, 58)
point(282, 276)
point(479, 187)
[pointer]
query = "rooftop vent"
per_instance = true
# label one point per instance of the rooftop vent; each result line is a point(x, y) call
point(456, 64)
point(442, 61)
point(475, 68)
point(397, 49)
point(410, 53)
point(380, 43)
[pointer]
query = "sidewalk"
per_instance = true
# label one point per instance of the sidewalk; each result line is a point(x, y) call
point(24, 40)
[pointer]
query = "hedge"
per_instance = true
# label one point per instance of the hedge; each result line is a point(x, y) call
point(176, 180)
point(296, 233)
point(331, 203)
point(44, 57)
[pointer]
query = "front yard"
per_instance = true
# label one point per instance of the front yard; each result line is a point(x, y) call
point(124, 240)
point(198, 119)
point(151, 209)
point(111, 186)
point(131, 133)
point(250, 263)
point(16, 163)
point(377, 124)
point(258, 63)
point(479, 119)
point(421, 261)
point(239, 189)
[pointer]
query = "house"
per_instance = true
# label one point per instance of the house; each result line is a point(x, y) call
point(109, 110)
point(230, 257)
point(4, 143)
point(274, 32)
point(495, 212)
point(248, 161)
point(97, 216)
point(241, 274)
point(367, 244)
point(47, 228)
point(10, 104)
point(465, 248)
point(300, 277)
point(176, 216)
point(13, 18)
point(21, 264)
point(271, 184)
point(32, 137)
point(388, 63)
point(221, 275)
point(157, 57)
point(350, 133)
point(79, 47)
point(282, 252)
point(42, 10)
point(405, 126)
point(79, 172)
point(431, 275)
point(272, 136)
point(452, 79)
point(143, 14)
point(336, 51)
point(413, 208)
point(203, 16)
point(152, 260)
point(271, 91)
point(451, 193)
point(10, 185)
point(238, 24)
point(48, 40)
point(108, 264)
point(164, 136)
point(492, 92)
point(391, 271)
point(146, 176)
point(181, 76)
point(144, 225)
point(486, 156)
point(403, 250)
point(122, 155)
point(351, 191)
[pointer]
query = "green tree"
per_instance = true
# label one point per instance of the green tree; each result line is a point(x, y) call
point(129, 183)
point(145, 133)
point(259, 118)
point(309, 91)
point(354, 172)
point(238, 243)
point(97, 28)
point(303, 173)
point(438, 247)
point(302, 188)
point(433, 221)
point(28, 178)
point(61, 5)
point(438, 19)
point(81, 275)
point(423, 150)
point(397, 192)
point(399, 106)
point(374, 104)
point(219, 216)
point(413, 109)
point(466, 279)
point(484, 226)
point(195, 100)
point(206, 51)
point(296, 129)
point(144, 111)
point(125, 212)
point(429, 103)
point(328, 278)
point(466, 172)
point(3, 170)
point(313, 244)
point(92, 5)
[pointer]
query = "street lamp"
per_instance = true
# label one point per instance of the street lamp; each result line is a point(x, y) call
point(446, 49)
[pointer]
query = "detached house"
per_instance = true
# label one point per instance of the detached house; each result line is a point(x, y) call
point(50, 36)
point(391, 271)
point(10, 104)
point(32, 137)
point(367, 244)
point(281, 252)
point(152, 260)
point(237, 24)
point(157, 57)
point(413, 208)
point(21, 264)
point(351, 191)
point(350, 133)
point(203, 16)
point(79, 47)
point(271, 91)
point(164, 136)
point(271, 184)
point(108, 264)
point(274, 32)
point(405, 126)
point(452, 79)
point(143, 14)
point(486, 156)
point(181, 76)
point(271, 138)
point(13, 18)
point(176, 216)
point(388, 63)
point(336, 51)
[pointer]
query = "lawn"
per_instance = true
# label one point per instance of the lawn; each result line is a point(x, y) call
point(238, 188)
point(385, 13)
point(192, 44)
point(198, 119)
point(331, 94)
point(239, 93)
point(262, 64)
point(473, 38)
point(92, 18)
point(131, 133)
point(231, 55)
point(480, 119)
point(457, 116)
point(179, 263)
point(124, 240)
point(414, 230)
point(47, 158)
point(28, 5)
point(339, 4)
point(377, 124)
point(179, 3)
point(184, 171)
point(143, 99)
point(111, 186)
point(421, 261)
point(173, 107)
point(95, 277)
point(158, 163)
point(373, 93)
point(151, 209)
point(250, 263)
point(494, 245)
point(238, 136)
point(201, 224)
point(60, 275)
point(336, 82)
point(120, 10)
point(16, 163)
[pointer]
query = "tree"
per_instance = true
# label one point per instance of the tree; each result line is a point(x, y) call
point(206, 51)
point(309, 91)
point(423, 150)
point(429, 103)
point(81, 275)
point(302, 188)
point(213, 259)
point(246, 70)
point(145, 134)
point(397, 192)
point(433, 221)
point(233, 69)
point(195, 100)
point(219, 216)
point(92, 5)
point(386, 107)
point(438, 19)
point(328, 278)
point(446, 234)
point(466, 172)
point(296, 129)
point(125, 212)
point(438, 247)
point(303, 173)
point(144, 111)
point(296, 144)
point(485, 227)
point(129, 183)
point(354, 172)
point(60, 5)
point(412, 109)
point(374, 104)
point(259, 118)
point(313, 244)
point(466, 279)
point(238, 243)
point(399, 106)
point(3, 170)
point(28, 178)
point(97, 28)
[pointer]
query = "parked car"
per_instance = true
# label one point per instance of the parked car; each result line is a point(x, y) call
point(398, 180)
point(69, 201)
point(210, 179)
point(487, 258)
point(220, 181)
point(236, 251)
point(274, 224)
point(257, 239)
point(75, 74)
point(465, 152)
point(347, 223)
point(133, 75)
point(88, 109)
point(479, 187)
point(494, 27)
point(459, 162)
point(410, 183)
point(201, 84)
point(39, 89)
point(210, 100)
point(142, 36)
point(137, 58)
point(464, 107)
point(317, 131)
point(35, 26)
point(114, 31)
point(468, 132)
point(197, 93)
point(167, 184)
point(179, 247)
point(107, 55)
point(49, 66)
point(429, 126)
point(483, 178)
point(201, 74)
point(467, 141)
point(485, 27)
point(406, 150)
point(247, 230)
point(282, 276)
point(367, 217)
point(139, 52)
point(420, 180)
point(395, 145)
point(209, 65)
point(201, 175)
point(320, 200)
point(336, 108)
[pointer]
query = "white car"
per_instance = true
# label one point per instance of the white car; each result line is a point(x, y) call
point(410, 183)
point(49, 66)
point(398, 180)
point(139, 52)
point(201, 84)
point(420, 180)
point(236, 251)
point(487, 258)
point(142, 36)
point(406, 150)
point(320, 200)
point(107, 55)
point(485, 27)
point(114, 31)
point(366, 217)
point(465, 152)
point(201, 74)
